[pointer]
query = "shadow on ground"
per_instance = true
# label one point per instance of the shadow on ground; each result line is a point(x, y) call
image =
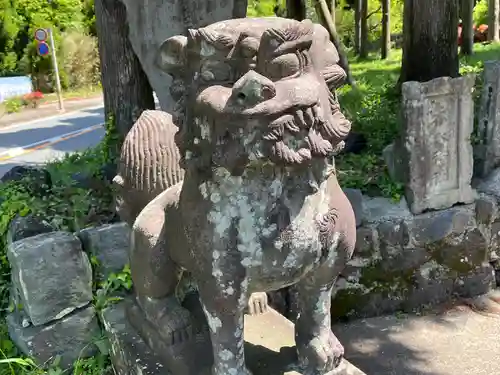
point(19, 136)
point(451, 340)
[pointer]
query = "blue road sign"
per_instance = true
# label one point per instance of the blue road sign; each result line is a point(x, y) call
point(42, 48)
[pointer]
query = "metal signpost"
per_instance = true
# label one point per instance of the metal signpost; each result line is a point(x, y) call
point(43, 49)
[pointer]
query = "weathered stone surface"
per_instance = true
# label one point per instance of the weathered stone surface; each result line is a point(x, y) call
point(383, 209)
point(488, 149)
point(70, 338)
point(491, 184)
point(435, 226)
point(109, 244)
point(276, 214)
point(356, 198)
point(27, 226)
point(435, 142)
point(52, 274)
point(129, 353)
point(411, 263)
point(150, 25)
point(486, 209)
point(391, 155)
point(269, 343)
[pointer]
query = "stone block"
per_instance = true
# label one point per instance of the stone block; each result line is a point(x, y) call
point(109, 244)
point(71, 338)
point(269, 347)
point(491, 184)
point(52, 275)
point(27, 226)
point(488, 149)
point(486, 209)
point(379, 209)
point(436, 226)
point(436, 149)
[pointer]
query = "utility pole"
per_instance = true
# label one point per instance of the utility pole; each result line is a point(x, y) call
point(56, 70)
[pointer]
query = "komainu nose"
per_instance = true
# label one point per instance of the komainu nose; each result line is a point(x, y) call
point(253, 88)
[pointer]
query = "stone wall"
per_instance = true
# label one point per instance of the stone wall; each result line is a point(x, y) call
point(407, 262)
point(402, 262)
point(52, 287)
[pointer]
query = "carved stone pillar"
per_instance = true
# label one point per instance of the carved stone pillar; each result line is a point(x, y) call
point(435, 146)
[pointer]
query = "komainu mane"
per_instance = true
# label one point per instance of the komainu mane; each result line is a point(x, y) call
point(259, 207)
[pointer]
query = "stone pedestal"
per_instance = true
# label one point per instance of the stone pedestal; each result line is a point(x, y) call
point(488, 148)
point(435, 147)
point(269, 345)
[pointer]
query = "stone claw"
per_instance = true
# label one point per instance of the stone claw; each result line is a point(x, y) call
point(173, 322)
point(321, 355)
point(257, 303)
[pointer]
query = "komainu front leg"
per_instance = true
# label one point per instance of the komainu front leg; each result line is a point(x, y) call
point(155, 277)
point(319, 351)
point(225, 316)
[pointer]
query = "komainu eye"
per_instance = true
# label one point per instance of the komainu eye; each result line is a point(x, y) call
point(283, 67)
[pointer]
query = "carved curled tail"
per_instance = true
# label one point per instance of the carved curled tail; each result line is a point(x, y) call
point(149, 158)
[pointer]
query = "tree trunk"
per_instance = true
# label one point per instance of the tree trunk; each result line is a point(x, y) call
point(466, 11)
point(127, 92)
point(326, 20)
point(430, 33)
point(333, 10)
point(363, 48)
point(494, 20)
point(296, 9)
point(357, 26)
point(386, 28)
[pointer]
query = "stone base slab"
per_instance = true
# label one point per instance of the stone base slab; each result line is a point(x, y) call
point(269, 346)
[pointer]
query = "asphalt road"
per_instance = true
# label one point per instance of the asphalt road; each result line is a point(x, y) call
point(39, 141)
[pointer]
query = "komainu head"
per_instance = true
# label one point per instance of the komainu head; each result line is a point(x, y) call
point(256, 90)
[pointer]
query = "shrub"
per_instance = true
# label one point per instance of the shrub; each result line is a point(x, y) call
point(32, 99)
point(481, 12)
point(80, 59)
point(13, 105)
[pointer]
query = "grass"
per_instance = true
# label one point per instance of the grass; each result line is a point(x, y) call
point(374, 107)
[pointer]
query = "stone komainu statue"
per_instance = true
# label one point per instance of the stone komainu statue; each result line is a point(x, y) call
point(149, 164)
point(259, 207)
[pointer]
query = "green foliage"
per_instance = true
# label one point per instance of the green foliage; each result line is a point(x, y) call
point(481, 12)
point(262, 8)
point(80, 59)
point(70, 208)
point(373, 107)
point(18, 21)
point(108, 291)
point(13, 105)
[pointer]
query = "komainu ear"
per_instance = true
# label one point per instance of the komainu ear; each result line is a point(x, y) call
point(172, 54)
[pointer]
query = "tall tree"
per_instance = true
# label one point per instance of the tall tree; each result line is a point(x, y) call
point(363, 48)
point(358, 5)
point(333, 10)
point(386, 28)
point(467, 16)
point(296, 9)
point(493, 20)
point(430, 35)
point(127, 92)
